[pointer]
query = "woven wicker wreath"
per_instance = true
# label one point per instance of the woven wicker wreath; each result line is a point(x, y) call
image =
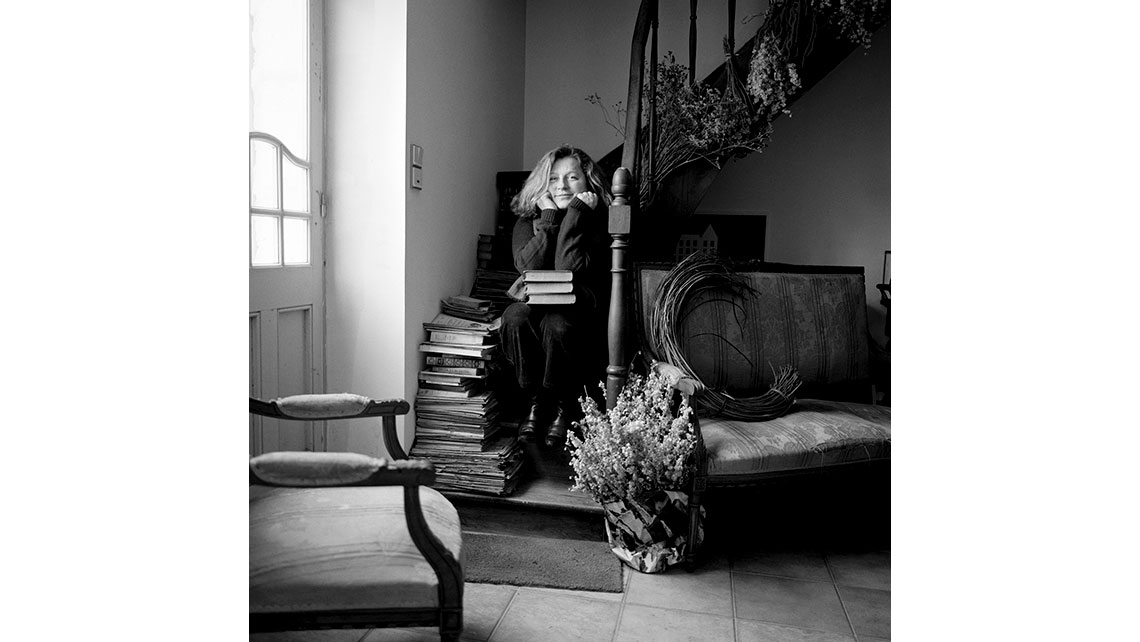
point(698, 273)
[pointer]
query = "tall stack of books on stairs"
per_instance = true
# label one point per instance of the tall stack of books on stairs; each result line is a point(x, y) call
point(495, 271)
point(457, 414)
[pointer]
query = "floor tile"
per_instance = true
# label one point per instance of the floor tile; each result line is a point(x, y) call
point(779, 600)
point(869, 610)
point(554, 617)
point(650, 624)
point(866, 570)
point(750, 631)
point(404, 634)
point(590, 595)
point(332, 635)
point(483, 606)
point(798, 565)
point(707, 589)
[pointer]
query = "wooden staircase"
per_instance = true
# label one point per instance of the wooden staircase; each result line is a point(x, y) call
point(542, 505)
point(679, 195)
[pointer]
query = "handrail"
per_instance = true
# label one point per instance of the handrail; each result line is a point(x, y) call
point(633, 102)
point(692, 41)
point(651, 149)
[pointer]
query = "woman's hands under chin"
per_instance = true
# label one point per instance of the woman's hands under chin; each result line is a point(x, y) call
point(545, 202)
point(589, 198)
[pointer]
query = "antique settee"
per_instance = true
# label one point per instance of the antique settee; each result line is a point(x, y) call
point(734, 340)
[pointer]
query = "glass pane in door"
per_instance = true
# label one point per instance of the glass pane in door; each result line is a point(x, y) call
point(262, 175)
point(279, 71)
point(263, 236)
point(296, 241)
point(295, 190)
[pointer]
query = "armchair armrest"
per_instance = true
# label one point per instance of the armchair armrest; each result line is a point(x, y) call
point(327, 406)
point(314, 469)
point(319, 407)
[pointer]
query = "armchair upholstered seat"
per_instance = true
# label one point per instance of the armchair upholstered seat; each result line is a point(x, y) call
point(344, 540)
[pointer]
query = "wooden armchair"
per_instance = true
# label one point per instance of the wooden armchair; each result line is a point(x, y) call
point(344, 540)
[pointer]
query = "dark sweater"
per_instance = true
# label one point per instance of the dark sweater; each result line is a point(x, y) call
point(569, 239)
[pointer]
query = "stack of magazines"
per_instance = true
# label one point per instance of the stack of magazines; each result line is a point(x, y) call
point(457, 414)
point(468, 307)
point(493, 285)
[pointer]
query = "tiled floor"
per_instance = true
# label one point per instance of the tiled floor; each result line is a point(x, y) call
point(802, 563)
point(745, 596)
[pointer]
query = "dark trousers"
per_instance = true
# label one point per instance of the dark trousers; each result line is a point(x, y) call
point(543, 343)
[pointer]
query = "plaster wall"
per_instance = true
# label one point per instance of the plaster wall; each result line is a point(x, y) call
point(575, 49)
point(465, 108)
point(824, 182)
point(365, 88)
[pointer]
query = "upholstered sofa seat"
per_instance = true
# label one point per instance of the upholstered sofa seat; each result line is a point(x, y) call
point(814, 434)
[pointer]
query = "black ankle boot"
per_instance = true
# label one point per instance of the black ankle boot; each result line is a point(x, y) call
point(568, 412)
point(534, 419)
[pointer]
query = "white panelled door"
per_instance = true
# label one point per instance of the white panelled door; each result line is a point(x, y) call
point(286, 251)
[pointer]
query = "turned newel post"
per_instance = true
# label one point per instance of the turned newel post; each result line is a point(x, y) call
point(619, 218)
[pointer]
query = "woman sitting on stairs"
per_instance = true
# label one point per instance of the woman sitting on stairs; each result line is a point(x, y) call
point(562, 209)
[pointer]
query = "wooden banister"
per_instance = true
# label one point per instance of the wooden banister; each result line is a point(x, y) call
point(625, 198)
point(633, 102)
point(621, 211)
point(692, 41)
point(651, 148)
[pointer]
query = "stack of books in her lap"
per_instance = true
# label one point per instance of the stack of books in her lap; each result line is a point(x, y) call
point(457, 414)
point(549, 287)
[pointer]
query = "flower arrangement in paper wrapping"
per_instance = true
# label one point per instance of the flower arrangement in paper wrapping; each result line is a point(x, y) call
point(634, 460)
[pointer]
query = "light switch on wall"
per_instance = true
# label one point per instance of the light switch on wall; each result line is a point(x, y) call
point(417, 162)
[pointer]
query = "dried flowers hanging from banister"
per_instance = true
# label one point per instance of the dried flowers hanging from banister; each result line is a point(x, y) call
point(698, 122)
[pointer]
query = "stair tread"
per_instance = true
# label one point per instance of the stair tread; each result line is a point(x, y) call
point(545, 485)
point(536, 492)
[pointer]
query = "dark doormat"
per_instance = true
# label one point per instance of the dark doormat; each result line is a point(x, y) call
point(540, 561)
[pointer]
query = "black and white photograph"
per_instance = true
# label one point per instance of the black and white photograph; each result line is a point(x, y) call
point(677, 424)
point(572, 320)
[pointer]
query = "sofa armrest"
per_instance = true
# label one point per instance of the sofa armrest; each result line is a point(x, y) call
point(678, 379)
point(690, 389)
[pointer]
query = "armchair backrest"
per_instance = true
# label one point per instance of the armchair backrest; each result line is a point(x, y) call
point(813, 318)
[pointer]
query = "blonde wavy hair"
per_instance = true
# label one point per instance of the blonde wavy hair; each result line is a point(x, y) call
point(535, 186)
